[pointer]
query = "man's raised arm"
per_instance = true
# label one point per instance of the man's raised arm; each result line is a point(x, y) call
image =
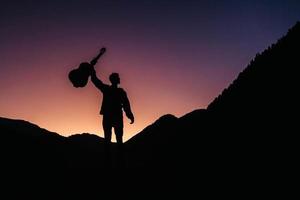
point(97, 82)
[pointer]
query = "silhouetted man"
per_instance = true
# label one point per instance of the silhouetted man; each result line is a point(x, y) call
point(114, 102)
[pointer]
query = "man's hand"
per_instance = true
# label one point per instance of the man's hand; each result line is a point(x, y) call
point(92, 70)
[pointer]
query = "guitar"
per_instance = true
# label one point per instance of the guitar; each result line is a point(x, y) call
point(79, 76)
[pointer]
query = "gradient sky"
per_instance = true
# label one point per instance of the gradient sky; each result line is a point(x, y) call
point(172, 56)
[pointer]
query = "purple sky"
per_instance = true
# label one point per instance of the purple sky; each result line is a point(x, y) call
point(172, 56)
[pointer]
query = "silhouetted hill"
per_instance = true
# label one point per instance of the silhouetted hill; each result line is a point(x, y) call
point(35, 162)
point(34, 145)
point(85, 151)
point(257, 110)
point(252, 122)
point(28, 142)
point(247, 128)
point(168, 142)
point(22, 127)
point(267, 87)
point(151, 146)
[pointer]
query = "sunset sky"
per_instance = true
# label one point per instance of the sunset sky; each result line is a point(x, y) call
point(172, 56)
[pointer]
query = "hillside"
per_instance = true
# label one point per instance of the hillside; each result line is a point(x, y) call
point(267, 87)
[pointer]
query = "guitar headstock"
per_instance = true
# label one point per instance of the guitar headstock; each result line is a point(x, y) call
point(102, 50)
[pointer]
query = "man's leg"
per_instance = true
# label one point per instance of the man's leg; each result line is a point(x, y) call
point(107, 128)
point(119, 135)
point(120, 148)
point(118, 128)
point(106, 123)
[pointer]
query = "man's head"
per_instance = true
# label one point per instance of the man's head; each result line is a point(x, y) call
point(114, 79)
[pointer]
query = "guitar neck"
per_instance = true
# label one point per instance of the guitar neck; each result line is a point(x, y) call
point(95, 60)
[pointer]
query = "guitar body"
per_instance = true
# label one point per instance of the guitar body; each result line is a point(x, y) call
point(80, 76)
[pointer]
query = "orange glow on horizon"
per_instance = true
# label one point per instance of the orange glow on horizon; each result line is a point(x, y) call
point(172, 57)
point(48, 99)
point(36, 87)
